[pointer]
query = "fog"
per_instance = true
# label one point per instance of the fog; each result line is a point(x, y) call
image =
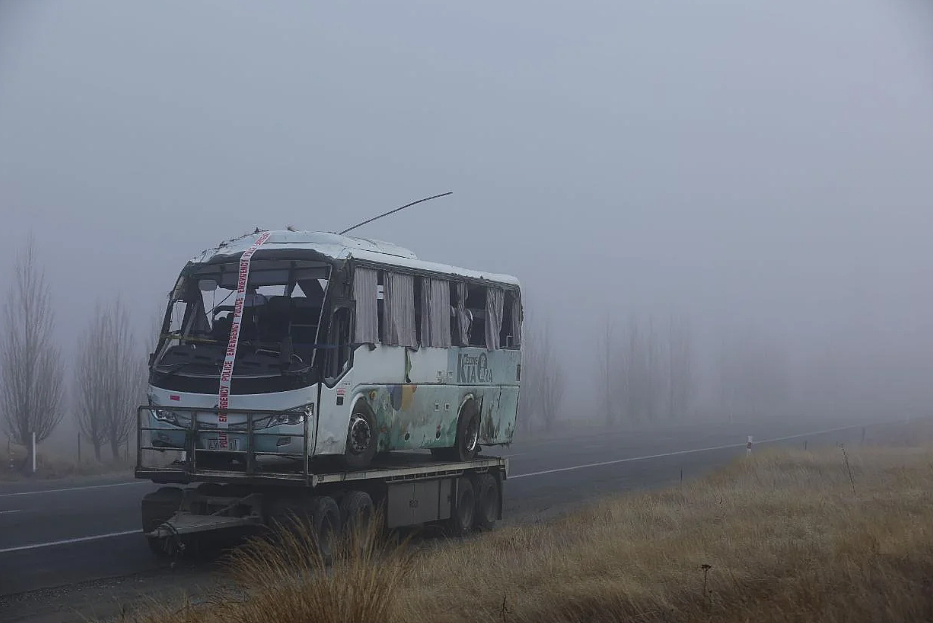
point(760, 170)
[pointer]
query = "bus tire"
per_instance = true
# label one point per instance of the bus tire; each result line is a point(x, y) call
point(487, 501)
point(466, 444)
point(362, 437)
point(463, 511)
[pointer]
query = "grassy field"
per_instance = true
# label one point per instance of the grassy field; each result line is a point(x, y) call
point(51, 467)
point(52, 464)
point(830, 535)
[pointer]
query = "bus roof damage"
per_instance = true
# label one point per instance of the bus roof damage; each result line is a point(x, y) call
point(333, 248)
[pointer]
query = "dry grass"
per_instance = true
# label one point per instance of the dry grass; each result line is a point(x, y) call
point(51, 467)
point(789, 536)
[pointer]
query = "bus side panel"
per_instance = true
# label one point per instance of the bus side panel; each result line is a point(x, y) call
point(498, 424)
point(424, 412)
point(493, 376)
point(383, 364)
point(415, 396)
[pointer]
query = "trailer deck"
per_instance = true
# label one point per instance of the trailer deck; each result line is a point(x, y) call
point(395, 466)
point(245, 489)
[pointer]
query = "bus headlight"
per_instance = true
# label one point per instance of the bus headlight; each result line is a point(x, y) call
point(170, 417)
point(164, 416)
point(293, 417)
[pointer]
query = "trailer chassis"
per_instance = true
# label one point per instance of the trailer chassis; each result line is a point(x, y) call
point(402, 490)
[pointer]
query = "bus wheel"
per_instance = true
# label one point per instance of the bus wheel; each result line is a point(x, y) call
point(361, 437)
point(467, 442)
point(487, 501)
point(462, 514)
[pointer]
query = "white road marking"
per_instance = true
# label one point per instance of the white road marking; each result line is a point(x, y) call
point(82, 488)
point(8, 512)
point(681, 452)
point(79, 539)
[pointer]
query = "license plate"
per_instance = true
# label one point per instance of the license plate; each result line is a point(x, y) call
point(214, 444)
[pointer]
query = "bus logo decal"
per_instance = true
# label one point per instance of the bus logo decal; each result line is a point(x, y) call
point(473, 369)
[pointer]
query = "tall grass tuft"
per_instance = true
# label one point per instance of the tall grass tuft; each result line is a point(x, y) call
point(288, 580)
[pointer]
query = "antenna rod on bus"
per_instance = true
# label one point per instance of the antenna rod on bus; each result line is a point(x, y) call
point(407, 205)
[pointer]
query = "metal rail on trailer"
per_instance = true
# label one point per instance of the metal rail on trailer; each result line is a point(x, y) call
point(412, 489)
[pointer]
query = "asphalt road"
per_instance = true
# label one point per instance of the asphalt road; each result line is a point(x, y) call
point(53, 535)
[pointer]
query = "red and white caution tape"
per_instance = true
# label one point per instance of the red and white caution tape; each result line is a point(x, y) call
point(226, 373)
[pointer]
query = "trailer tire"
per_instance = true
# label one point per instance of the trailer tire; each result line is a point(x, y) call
point(325, 522)
point(156, 508)
point(356, 511)
point(463, 512)
point(362, 437)
point(159, 506)
point(159, 546)
point(487, 501)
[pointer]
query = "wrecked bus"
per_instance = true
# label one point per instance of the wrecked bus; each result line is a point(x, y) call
point(300, 346)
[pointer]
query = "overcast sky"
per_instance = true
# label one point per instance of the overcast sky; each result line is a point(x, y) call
point(746, 163)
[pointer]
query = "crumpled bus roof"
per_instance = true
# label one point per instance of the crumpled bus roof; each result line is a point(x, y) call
point(342, 248)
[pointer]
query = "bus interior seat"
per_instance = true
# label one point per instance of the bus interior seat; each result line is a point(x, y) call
point(304, 317)
point(274, 319)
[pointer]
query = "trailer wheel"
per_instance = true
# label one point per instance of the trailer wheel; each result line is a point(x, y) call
point(362, 437)
point(356, 512)
point(462, 514)
point(325, 522)
point(157, 507)
point(167, 546)
point(487, 501)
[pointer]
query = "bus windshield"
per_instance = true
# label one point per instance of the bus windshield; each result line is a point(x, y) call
point(278, 329)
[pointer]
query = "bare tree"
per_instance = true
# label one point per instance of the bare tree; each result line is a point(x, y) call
point(90, 384)
point(643, 370)
point(654, 382)
point(633, 369)
point(754, 375)
point(124, 377)
point(31, 368)
point(680, 368)
point(529, 398)
point(551, 377)
point(109, 379)
point(608, 373)
point(542, 388)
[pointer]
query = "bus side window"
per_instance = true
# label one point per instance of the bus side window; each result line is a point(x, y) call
point(340, 342)
point(476, 305)
point(368, 296)
point(460, 324)
point(435, 313)
point(506, 337)
point(398, 310)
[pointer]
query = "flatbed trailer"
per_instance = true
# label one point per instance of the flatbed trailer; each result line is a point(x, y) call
point(200, 497)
